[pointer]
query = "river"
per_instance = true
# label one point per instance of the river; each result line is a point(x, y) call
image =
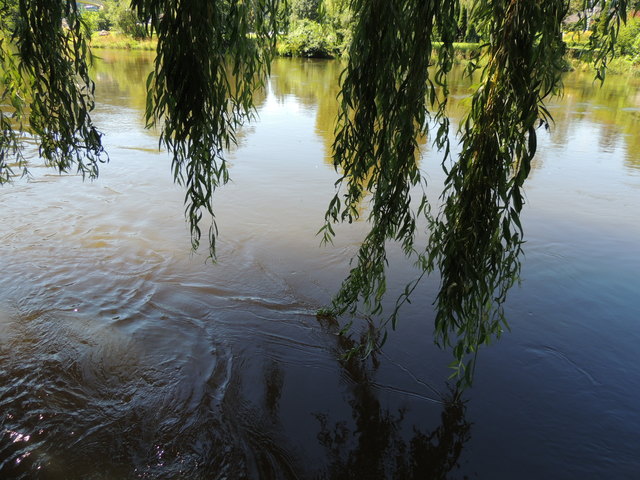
point(125, 355)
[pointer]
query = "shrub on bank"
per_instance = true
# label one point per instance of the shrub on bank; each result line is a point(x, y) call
point(307, 38)
point(629, 38)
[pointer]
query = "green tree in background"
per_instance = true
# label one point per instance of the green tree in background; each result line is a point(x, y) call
point(115, 15)
point(316, 28)
point(92, 21)
point(307, 38)
point(629, 38)
point(212, 56)
point(126, 20)
point(105, 19)
point(305, 9)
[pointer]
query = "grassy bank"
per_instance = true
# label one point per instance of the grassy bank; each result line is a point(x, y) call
point(120, 41)
point(577, 56)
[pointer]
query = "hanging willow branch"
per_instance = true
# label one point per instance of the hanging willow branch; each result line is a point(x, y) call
point(211, 57)
point(475, 242)
point(387, 92)
point(46, 79)
point(603, 40)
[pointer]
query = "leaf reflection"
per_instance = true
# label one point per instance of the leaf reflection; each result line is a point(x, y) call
point(376, 448)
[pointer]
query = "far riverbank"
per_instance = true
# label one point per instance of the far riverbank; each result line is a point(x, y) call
point(577, 55)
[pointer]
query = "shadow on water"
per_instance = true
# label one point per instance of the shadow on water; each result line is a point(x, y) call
point(375, 446)
point(380, 451)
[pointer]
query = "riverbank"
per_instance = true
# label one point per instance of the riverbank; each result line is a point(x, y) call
point(120, 41)
point(577, 55)
point(578, 58)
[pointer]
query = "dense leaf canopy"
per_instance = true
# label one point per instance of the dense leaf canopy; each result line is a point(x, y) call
point(212, 56)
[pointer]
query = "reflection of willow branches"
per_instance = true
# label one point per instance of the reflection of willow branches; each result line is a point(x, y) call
point(273, 381)
point(375, 449)
point(382, 453)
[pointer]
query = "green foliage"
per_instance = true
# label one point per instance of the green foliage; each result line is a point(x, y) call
point(46, 81)
point(575, 6)
point(128, 22)
point(283, 16)
point(476, 241)
point(604, 38)
point(629, 38)
point(201, 90)
point(326, 314)
point(105, 18)
point(9, 14)
point(305, 9)
point(315, 29)
point(307, 38)
point(115, 40)
point(387, 94)
point(337, 15)
point(472, 35)
point(463, 25)
point(91, 20)
point(117, 15)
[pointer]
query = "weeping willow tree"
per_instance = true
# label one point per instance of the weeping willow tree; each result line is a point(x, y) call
point(211, 58)
point(389, 98)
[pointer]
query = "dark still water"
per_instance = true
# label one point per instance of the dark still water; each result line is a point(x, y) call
point(123, 355)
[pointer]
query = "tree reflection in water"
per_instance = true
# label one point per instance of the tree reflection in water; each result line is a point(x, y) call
point(376, 449)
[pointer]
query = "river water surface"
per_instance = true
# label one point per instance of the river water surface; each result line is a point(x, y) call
point(125, 355)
